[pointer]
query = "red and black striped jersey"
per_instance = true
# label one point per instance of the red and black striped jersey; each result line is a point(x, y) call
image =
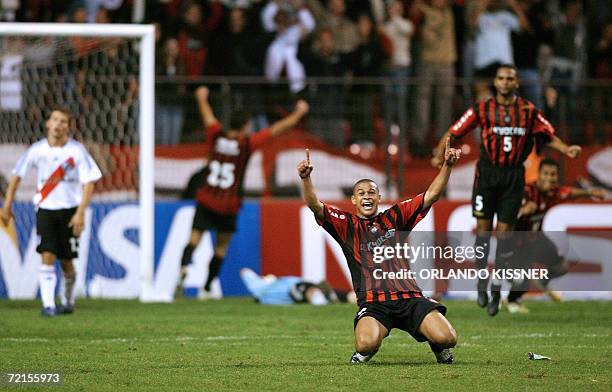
point(358, 237)
point(507, 131)
point(224, 172)
point(544, 201)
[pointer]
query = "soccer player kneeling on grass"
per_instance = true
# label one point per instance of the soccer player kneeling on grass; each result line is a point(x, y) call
point(65, 183)
point(384, 304)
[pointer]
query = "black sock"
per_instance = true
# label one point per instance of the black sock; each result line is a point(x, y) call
point(482, 242)
point(515, 295)
point(504, 255)
point(434, 348)
point(213, 271)
point(187, 253)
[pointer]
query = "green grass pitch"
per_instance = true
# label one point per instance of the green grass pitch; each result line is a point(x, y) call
point(235, 344)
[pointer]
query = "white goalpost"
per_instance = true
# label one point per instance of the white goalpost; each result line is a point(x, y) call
point(145, 34)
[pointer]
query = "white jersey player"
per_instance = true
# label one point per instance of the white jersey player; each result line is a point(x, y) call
point(65, 183)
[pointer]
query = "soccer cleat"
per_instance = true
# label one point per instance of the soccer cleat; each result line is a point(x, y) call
point(483, 297)
point(65, 309)
point(445, 356)
point(48, 312)
point(493, 306)
point(357, 358)
point(517, 308)
point(554, 295)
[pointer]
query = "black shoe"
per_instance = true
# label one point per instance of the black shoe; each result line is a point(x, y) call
point(65, 309)
point(48, 312)
point(483, 297)
point(445, 356)
point(493, 307)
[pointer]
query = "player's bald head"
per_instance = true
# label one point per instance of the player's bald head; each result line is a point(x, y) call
point(365, 181)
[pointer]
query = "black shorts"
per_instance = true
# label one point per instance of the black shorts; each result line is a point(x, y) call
point(206, 219)
point(497, 190)
point(404, 314)
point(55, 235)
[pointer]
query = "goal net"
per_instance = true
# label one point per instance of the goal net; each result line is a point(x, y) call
point(104, 75)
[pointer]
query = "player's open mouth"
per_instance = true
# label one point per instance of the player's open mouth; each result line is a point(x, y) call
point(367, 205)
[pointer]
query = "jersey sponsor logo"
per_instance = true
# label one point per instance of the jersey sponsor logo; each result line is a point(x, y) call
point(510, 131)
point(380, 240)
point(227, 146)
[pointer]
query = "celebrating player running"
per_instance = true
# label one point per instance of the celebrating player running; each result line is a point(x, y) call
point(220, 198)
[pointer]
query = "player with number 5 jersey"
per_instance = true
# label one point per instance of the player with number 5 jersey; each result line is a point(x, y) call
point(509, 128)
point(220, 197)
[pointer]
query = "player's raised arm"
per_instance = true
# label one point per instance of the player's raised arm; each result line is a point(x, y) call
point(308, 192)
point(557, 144)
point(301, 109)
point(6, 213)
point(595, 193)
point(435, 190)
point(206, 112)
point(464, 125)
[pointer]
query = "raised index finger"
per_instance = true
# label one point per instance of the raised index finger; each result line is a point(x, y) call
point(447, 143)
point(308, 156)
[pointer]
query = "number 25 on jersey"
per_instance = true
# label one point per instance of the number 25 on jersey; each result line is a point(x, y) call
point(221, 174)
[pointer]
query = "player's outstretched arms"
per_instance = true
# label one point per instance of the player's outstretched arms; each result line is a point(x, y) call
point(206, 112)
point(6, 213)
point(435, 190)
point(281, 126)
point(304, 169)
point(572, 151)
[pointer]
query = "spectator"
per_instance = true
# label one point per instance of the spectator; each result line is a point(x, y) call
point(399, 30)
point(193, 35)
point(493, 24)
point(367, 60)
point(282, 52)
point(526, 45)
point(334, 18)
point(239, 51)
point(169, 95)
point(436, 69)
point(321, 58)
point(567, 65)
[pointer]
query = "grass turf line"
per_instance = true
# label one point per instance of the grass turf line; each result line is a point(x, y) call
point(235, 344)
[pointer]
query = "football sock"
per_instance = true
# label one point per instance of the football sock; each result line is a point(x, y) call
point(47, 279)
point(434, 348)
point(514, 295)
point(187, 254)
point(68, 294)
point(482, 242)
point(213, 271)
point(504, 256)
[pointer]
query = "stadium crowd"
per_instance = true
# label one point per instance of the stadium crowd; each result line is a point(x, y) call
point(419, 51)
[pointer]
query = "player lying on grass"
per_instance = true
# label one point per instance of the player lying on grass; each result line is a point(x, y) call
point(66, 177)
point(220, 197)
point(384, 304)
point(538, 198)
point(287, 290)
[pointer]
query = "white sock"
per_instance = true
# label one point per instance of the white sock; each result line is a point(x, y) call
point(68, 294)
point(47, 279)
